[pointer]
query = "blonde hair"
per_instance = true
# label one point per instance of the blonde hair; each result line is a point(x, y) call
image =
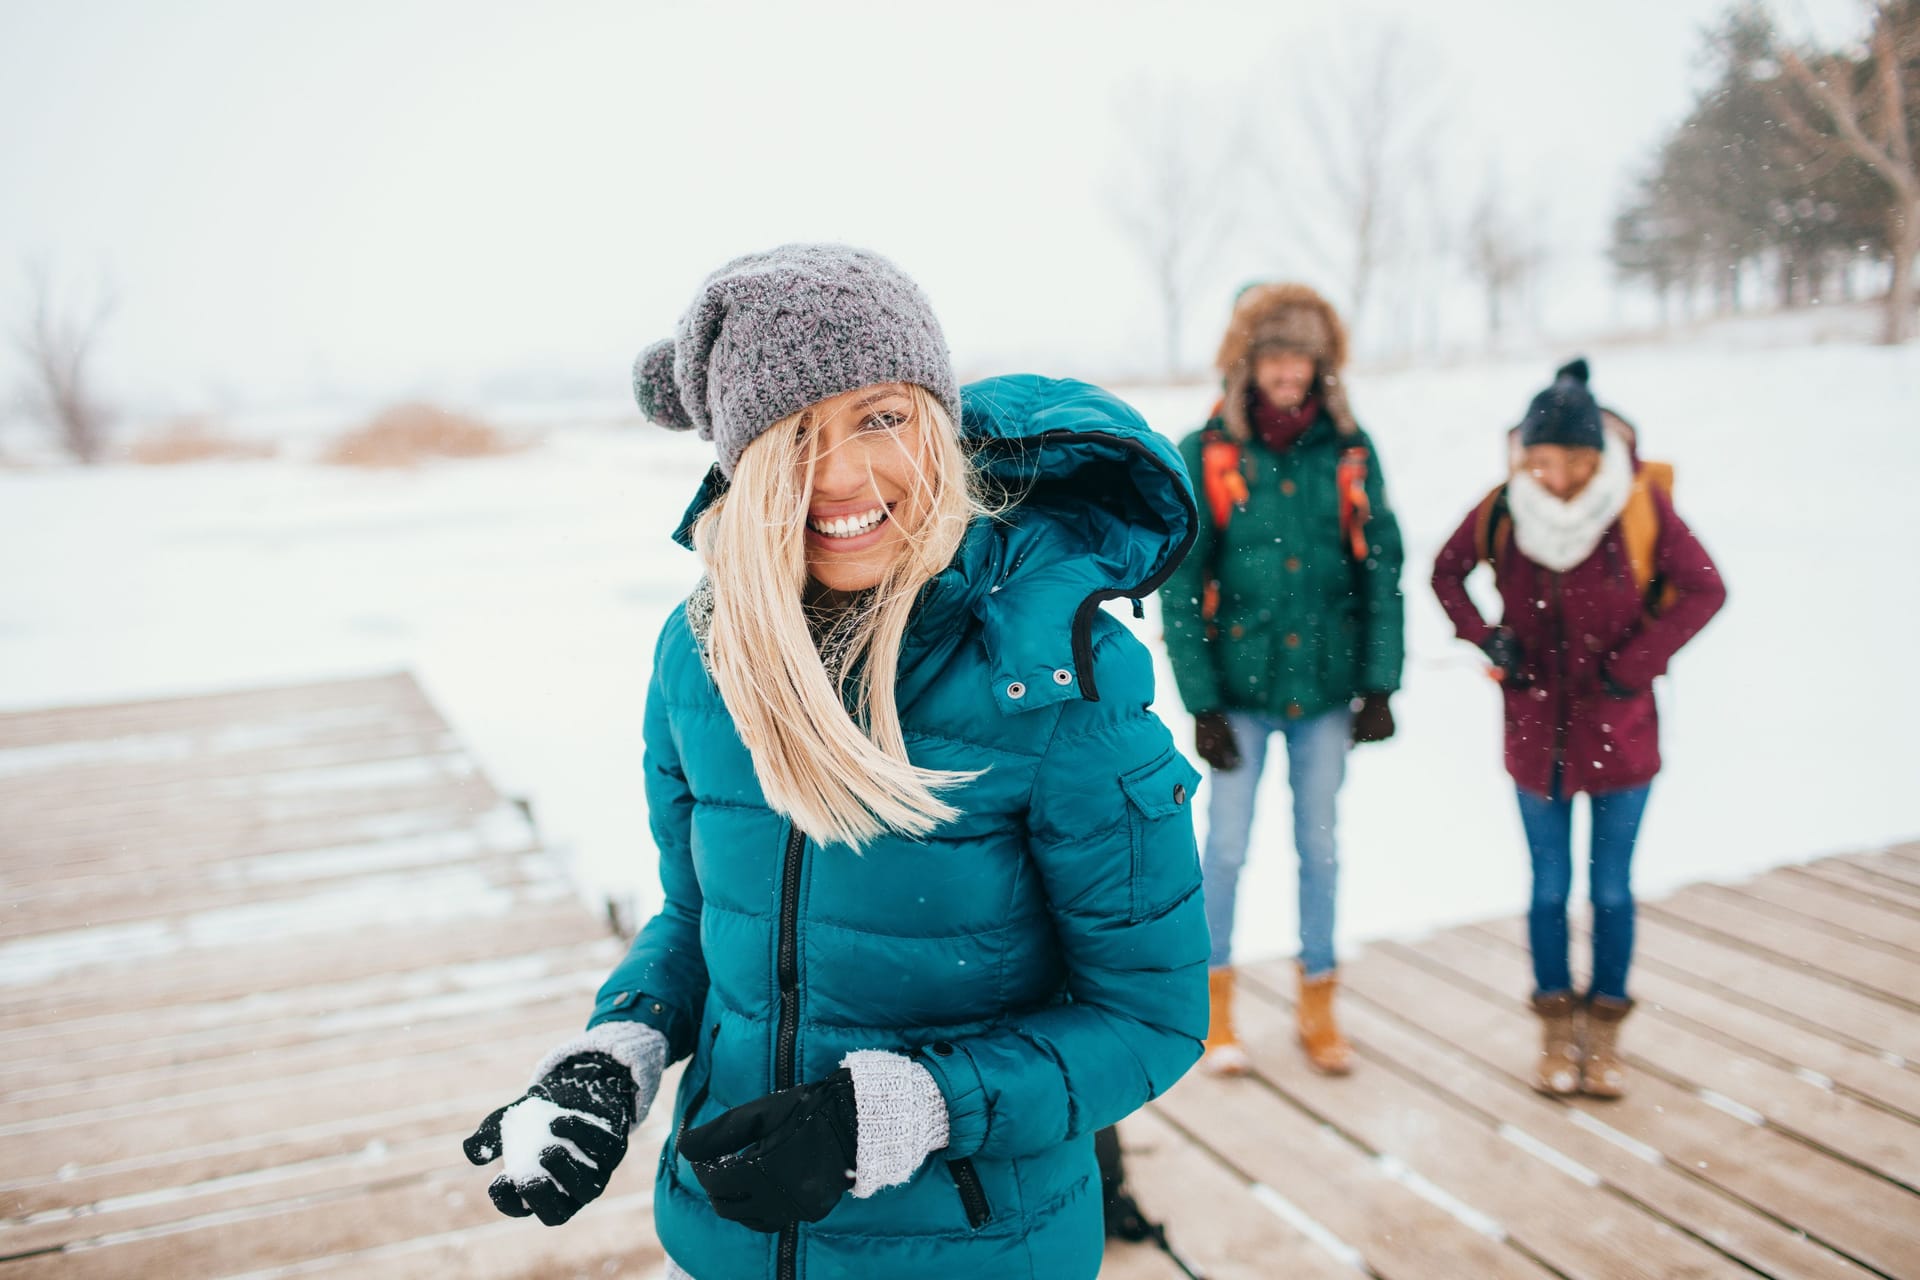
point(842, 775)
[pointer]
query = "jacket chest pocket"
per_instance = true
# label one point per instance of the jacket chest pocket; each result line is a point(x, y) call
point(1166, 863)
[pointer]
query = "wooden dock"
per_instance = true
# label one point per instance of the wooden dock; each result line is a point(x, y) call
point(266, 957)
point(1773, 1127)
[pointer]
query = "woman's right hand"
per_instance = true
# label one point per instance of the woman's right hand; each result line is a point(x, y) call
point(563, 1137)
point(560, 1140)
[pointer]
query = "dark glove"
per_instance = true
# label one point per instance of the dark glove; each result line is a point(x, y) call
point(595, 1095)
point(787, 1157)
point(1502, 648)
point(1372, 719)
point(1213, 739)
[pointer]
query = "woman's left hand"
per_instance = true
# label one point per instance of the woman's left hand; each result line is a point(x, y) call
point(784, 1158)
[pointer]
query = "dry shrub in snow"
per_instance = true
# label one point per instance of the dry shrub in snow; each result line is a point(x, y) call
point(408, 434)
point(194, 440)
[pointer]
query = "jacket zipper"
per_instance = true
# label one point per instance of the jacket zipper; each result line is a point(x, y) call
point(973, 1197)
point(788, 1030)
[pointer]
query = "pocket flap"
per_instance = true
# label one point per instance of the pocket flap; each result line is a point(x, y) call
point(1161, 788)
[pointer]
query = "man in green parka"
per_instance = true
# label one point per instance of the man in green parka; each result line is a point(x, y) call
point(1285, 619)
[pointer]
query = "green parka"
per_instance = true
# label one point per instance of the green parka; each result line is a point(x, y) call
point(1302, 626)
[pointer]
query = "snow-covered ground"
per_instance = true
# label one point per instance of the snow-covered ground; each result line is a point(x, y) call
point(525, 591)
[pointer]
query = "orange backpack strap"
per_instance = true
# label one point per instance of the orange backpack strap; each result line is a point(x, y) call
point(1640, 529)
point(1492, 526)
point(1221, 479)
point(1350, 477)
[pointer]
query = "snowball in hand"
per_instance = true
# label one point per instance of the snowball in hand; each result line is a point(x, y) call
point(526, 1130)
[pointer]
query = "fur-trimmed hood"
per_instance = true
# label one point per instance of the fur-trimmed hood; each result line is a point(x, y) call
point(1283, 317)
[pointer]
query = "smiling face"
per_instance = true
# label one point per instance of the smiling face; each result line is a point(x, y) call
point(1283, 377)
point(870, 491)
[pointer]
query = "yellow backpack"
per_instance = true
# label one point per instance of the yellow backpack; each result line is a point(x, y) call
point(1639, 528)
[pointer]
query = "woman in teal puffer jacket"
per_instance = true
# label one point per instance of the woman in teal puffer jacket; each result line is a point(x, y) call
point(933, 907)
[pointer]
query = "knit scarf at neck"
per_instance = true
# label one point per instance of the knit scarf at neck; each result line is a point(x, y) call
point(1559, 535)
point(1279, 428)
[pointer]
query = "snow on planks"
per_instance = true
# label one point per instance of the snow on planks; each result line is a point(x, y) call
point(1772, 1129)
point(265, 958)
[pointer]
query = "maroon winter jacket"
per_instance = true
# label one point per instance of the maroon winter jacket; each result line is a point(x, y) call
point(1572, 626)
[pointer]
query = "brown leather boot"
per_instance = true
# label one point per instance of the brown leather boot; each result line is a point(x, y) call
point(1558, 1069)
point(1602, 1075)
point(1224, 1056)
point(1327, 1050)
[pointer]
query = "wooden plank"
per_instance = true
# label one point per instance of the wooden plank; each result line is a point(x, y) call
point(1885, 892)
point(1730, 920)
point(407, 952)
point(401, 1045)
point(1887, 866)
point(1211, 1216)
point(573, 991)
point(1755, 979)
point(1313, 1172)
point(180, 901)
point(193, 763)
point(1387, 1013)
point(1833, 907)
point(613, 1239)
point(349, 820)
point(346, 1221)
point(1423, 1138)
point(1852, 1130)
point(1850, 1211)
point(111, 829)
point(1760, 1031)
point(100, 721)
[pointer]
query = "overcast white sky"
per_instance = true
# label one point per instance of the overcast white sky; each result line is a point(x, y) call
point(412, 195)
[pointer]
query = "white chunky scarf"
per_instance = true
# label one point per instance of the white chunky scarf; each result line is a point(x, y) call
point(1559, 535)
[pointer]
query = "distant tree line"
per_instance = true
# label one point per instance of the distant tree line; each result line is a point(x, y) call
point(1792, 181)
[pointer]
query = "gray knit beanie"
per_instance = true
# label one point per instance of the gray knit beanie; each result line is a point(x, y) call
point(771, 333)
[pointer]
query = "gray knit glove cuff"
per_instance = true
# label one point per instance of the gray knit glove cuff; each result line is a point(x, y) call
point(902, 1117)
point(639, 1048)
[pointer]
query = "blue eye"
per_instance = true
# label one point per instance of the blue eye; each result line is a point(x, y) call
point(887, 420)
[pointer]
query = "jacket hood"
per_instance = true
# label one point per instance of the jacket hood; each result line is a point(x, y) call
point(1092, 505)
point(1282, 317)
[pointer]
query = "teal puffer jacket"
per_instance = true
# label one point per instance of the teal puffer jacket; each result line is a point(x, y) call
point(1043, 955)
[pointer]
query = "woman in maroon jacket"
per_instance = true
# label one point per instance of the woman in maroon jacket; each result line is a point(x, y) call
point(1600, 583)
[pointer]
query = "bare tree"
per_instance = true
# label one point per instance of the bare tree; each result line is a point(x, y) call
point(1371, 121)
point(1499, 251)
point(1174, 197)
point(1866, 107)
point(57, 349)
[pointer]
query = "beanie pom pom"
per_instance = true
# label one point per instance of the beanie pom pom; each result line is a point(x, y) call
point(1574, 370)
point(655, 391)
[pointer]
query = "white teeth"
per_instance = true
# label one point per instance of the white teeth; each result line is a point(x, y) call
point(848, 526)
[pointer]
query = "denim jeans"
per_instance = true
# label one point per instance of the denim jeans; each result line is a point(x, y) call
point(1616, 826)
point(1316, 765)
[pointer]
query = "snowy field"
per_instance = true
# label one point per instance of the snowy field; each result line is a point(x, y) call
point(525, 592)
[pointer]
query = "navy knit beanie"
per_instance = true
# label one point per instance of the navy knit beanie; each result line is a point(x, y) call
point(1565, 413)
point(771, 333)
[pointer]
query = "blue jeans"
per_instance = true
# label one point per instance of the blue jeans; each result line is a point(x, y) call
point(1616, 826)
point(1316, 765)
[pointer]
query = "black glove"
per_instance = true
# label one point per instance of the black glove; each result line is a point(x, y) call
point(1502, 648)
point(1372, 719)
point(787, 1157)
point(1213, 739)
point(590, 1086)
